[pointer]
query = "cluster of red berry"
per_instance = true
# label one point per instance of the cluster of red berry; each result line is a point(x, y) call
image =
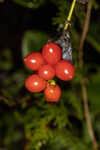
point(48, 64)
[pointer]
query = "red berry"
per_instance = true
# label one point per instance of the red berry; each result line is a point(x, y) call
point(47, 72)
point(34, 61)
point(35, 84)
point(65, 70)
point(52, 93)
point(51, 52)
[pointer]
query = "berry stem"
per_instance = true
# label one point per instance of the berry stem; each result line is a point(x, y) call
point(52, 82)
point(70, 14)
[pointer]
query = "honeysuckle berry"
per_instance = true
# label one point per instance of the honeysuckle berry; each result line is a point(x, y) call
point(34, 61)
point(65, 70)
point(47, 72)
point(51, 53)
point(35, 84)
point(52, 93)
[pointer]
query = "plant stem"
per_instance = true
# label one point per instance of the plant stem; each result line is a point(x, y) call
point(83, 84)
point(52, 82)
point(70, 14)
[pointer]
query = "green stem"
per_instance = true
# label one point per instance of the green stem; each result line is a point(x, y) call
point(52, 82)
point(70, 14)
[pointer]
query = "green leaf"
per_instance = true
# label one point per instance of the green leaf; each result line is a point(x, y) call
point(94, 93)
point(74, 102)
point(96, 124)
point(6, 62)
point(64, 139)
point(12, 82)
point(30, 3)
point(33, 41)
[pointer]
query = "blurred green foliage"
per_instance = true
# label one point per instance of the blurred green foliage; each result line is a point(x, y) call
point(27, 121)
point(33, 40)
point(30, 3)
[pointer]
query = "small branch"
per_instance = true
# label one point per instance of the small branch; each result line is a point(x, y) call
point(87, 115)
point(84, 33)
point(83, 85)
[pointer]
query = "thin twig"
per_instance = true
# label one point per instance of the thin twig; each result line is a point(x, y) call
point(83, 85)
point(84, 33)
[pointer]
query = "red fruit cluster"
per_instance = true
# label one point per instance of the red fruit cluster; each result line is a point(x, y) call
point(48, 64)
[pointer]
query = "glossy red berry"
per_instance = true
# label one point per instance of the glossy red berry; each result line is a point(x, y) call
point(47, 72)
point(65, 70)
point(51, 53)
point(34, 61)
point(52, 93)
point(35, 84)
